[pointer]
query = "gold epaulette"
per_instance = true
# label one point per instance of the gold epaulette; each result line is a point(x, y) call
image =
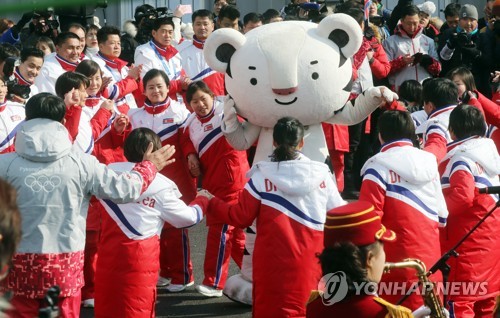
point(393, 310)
point(315, 294)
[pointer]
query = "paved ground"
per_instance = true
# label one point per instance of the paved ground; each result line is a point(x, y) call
point(189, 303)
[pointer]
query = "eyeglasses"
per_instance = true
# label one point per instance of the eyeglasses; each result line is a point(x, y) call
point(91, 35)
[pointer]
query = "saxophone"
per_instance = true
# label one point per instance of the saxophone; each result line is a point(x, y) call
point(431, 299)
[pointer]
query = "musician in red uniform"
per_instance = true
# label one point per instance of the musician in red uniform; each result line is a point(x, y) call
point(354, 247)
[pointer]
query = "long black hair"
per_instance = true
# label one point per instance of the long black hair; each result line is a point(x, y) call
point(287, 134)
point(350, 259)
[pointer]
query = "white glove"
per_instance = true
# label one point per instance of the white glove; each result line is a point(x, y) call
point(231, 122)
point(424, 312)
point(382, 94)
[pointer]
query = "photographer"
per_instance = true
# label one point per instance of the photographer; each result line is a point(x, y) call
point(139, 32)
point(44, 23)
point(12, 34)
point(461, 46)
point(20, 75)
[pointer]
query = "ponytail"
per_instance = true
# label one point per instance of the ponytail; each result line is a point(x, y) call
point(287, 134)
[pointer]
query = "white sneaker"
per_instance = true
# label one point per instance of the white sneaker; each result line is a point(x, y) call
point(88, 303)
point(209, 291)
point(162, 282)
point(175, 288)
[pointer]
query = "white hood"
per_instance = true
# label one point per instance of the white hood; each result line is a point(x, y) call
point(482, 151)
point(413, 165)
point(293, 177)
point(42, 140)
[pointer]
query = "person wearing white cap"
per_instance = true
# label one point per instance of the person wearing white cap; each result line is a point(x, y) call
point(427, 9)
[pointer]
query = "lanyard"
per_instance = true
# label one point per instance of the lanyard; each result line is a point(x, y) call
point(165, 65)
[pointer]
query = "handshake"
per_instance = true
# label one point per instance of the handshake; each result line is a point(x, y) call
point(205, 193)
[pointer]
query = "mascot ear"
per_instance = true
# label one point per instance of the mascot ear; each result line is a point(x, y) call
point(344, 31)
point(220, 47)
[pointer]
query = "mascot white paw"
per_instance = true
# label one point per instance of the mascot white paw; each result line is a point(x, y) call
point(291, 68)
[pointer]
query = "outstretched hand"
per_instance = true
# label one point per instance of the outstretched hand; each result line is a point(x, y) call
point(194, 165)
point(205, 193)
point(161, 157)
point(384, 96)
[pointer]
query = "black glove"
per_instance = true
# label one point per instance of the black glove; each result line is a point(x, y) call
point(20, 25)
point(426, 61)
point(471, 52)
point(452, 41)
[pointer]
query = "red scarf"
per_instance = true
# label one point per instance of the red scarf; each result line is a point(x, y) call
point(158, 108)
point(20, 79)
point(208, 117)
point(113, 62)
point(92, 101)
point(168, 52)
point(198, 43)
point(3, 106)
point(396, 143)
point(66, 65)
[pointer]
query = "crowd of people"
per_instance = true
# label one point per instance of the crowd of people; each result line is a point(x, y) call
point(109, 135)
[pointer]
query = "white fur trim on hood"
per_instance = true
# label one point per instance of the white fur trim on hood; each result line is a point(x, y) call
point(130, 28)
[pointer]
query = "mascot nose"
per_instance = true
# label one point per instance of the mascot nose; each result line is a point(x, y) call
point(285, 91)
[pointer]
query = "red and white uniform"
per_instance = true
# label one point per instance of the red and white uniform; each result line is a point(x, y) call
point(193, 62)
point(402, 182)
point(165, 120)
point(11, 115)
point(53, 67)
point(129, 248)
point(223, 170)
point(22, 81)
point(121, 87)
point(86, 125)
point(151, 56)
point(289, 201)
point(435, 131)
point(491, 111)
point(93, 121)
point(471, 164)
point(337, 141)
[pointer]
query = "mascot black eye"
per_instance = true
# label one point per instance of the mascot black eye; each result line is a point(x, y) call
point(253, 81)
point(315, 76)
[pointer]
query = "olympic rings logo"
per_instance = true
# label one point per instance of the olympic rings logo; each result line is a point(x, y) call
point(37, 184)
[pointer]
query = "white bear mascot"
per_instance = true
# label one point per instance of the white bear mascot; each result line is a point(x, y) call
point(291, 68)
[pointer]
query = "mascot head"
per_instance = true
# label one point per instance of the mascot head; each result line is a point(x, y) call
point(291, 68)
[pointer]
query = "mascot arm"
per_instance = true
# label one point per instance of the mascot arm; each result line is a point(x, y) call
point(240, 135)
point(358, 109)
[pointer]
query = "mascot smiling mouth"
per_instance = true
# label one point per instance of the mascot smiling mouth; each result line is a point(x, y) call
point(286, 103)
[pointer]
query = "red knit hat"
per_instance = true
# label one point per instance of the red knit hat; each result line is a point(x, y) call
point(355, 222)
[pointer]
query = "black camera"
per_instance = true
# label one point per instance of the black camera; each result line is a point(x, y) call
point(147, 19)
point(51, 300)
point(293, 11)
point(13, 86)
point(45, 16)
point(463, 39)
point(377, 20)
